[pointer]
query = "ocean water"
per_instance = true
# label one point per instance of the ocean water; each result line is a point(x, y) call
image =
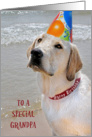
point(18, 30)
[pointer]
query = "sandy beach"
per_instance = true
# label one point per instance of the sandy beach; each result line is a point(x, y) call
point(42, 127)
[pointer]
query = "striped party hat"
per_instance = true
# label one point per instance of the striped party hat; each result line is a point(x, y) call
point(62, 26)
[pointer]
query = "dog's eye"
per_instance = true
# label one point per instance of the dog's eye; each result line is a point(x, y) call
point(39, 40)
point(58, 46)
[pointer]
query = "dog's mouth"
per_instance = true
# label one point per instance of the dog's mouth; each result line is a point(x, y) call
point(34, 67)
point(38, 67)
point(35, 64)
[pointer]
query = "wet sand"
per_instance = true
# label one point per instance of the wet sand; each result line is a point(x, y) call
point(42, 127)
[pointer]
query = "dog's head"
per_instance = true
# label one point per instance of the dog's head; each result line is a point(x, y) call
point(49, 55)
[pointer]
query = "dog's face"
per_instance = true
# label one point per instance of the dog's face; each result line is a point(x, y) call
point(49, 54)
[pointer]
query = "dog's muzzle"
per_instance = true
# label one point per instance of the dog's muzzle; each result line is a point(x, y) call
point(36, 55)
point(36, 61)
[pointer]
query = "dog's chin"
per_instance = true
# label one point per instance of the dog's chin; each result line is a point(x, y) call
point(39, 69)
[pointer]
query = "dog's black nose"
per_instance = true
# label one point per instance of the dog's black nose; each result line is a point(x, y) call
point(36, 53)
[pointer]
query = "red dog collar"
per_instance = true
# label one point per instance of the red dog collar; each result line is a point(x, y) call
point(66, 92)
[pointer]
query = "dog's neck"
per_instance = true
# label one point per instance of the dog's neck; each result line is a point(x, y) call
point(52, 85)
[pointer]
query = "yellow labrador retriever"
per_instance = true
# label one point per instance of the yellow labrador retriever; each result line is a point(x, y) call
point(59, 63)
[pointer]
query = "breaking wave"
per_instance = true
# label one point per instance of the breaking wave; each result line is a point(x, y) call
point(23, 33)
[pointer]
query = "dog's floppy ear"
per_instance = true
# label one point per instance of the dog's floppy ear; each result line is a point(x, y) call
point(30, 48)
point(74, 63)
